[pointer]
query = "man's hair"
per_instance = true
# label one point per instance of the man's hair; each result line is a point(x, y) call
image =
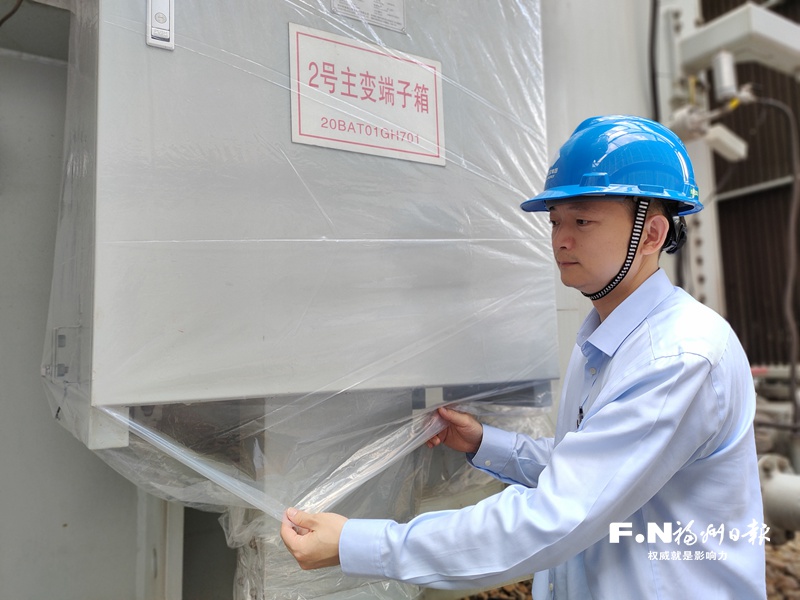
point(657, 207)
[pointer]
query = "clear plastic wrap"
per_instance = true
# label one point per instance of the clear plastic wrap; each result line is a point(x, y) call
point(244, 318)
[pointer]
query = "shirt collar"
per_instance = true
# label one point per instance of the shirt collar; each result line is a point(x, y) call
point(608, 335)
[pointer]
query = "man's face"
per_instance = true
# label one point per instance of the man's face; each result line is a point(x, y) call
point(590, 241)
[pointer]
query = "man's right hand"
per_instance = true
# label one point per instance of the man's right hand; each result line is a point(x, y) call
point(463, 432)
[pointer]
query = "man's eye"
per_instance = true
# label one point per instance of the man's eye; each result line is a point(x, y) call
point(582, 221)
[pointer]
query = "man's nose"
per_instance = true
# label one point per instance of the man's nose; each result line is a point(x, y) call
point(562, 238)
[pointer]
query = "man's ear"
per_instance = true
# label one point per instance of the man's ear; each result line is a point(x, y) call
point(656, 228)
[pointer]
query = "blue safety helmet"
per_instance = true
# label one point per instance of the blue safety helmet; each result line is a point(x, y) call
point(624, 156)
point(621, 156)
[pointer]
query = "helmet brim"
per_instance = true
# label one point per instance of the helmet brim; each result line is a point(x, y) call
point(569, 193)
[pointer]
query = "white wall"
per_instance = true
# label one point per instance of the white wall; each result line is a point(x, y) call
point(67, 521)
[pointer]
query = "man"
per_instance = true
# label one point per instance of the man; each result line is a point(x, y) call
point(650, 487)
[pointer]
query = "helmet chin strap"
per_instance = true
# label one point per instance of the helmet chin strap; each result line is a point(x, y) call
point(642, 205)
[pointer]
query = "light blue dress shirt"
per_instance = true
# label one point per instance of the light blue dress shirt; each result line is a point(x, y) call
point(665, 450)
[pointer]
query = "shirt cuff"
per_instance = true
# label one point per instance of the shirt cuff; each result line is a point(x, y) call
point(360, 544)
point(496, 450)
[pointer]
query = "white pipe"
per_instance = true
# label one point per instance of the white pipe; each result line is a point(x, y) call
point(780, 490)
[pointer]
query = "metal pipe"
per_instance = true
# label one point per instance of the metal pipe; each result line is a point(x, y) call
point(770, 425)
point(655, 10)
point(754, 189)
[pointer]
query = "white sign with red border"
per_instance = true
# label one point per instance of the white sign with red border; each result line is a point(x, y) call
point(351, 95)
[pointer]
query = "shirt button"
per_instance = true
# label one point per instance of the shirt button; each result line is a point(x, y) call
point(487, 463)
point(551, 587)
point(593, 371)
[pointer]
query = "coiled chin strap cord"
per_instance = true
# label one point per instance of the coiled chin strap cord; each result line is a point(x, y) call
point(642, 204)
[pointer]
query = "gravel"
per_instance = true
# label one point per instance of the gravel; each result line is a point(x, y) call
point(783, 571)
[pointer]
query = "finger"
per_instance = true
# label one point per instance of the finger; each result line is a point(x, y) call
point(302, 522)
point(453, 416)
point(288, 534)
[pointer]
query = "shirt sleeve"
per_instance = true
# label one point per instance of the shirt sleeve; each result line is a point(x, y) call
point(512, 457)
point(644, 428)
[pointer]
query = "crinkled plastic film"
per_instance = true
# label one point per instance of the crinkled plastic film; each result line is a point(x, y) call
point(242, 322)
